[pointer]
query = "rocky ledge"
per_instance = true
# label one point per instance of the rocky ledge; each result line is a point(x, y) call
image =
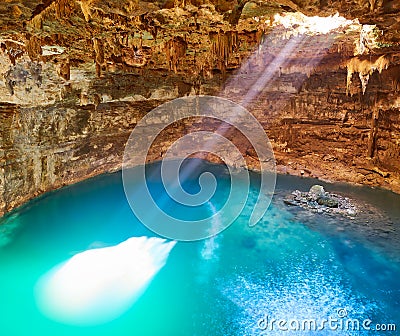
point(320, 201)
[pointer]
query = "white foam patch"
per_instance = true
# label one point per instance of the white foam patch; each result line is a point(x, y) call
point(98, 285)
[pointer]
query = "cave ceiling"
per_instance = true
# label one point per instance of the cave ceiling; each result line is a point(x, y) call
point(192, 36)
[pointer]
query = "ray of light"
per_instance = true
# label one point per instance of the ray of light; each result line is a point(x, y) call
point(261, 78)
point(99, 285)
point(260, 72)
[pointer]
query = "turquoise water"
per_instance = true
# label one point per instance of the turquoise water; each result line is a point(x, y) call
point(293, 265)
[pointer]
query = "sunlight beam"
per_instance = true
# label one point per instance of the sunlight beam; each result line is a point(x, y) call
point(99, 285)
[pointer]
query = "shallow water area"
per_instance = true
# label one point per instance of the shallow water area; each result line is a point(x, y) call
point(294, 265)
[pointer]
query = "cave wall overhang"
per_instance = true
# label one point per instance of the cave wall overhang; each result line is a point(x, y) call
point(76, 76)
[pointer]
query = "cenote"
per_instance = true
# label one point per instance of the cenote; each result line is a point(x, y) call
point(293, 265)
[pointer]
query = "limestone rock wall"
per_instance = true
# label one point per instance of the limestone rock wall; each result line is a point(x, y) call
point(76, 77)
point(316, 130)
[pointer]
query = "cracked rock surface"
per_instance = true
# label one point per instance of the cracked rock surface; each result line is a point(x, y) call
point(77, 76)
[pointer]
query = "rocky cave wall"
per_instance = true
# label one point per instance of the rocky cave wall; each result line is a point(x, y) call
point(69, 103)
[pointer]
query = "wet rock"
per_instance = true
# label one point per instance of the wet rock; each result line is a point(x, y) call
point(320, 201)
point(317, 191)
point(328, 201)
point(146, 55)
point(290, 201)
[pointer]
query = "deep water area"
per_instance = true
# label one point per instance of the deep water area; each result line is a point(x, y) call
point(295, 266)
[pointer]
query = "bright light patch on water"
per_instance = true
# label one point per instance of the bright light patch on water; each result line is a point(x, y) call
point(98, 285)
point(306, 296)
point(293, 265)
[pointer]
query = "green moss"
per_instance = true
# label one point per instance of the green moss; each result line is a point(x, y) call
point(383, 45)
point(256, 10)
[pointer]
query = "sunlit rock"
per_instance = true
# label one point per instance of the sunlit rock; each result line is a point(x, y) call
point(316, 191)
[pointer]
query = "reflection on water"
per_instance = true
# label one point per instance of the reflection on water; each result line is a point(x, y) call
point(211, 244)
point(292, 265)
point(98, 285)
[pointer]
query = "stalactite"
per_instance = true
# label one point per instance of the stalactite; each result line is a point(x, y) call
point(222, 46)
point(394, 74)
point(175, 49)
point(373, 133)
point(365, 67)
point(16, 11)
point(203, 66)
point(147, 23)
point(375, 4)
point(98, 48)
point(64, 69)
point(135, 56)
point(33, 48)
point(234, 16)
point(86, 10)
point(37, 22)
point(114, 45)
point(62, 8)
point(51, 8)
point(99, 55)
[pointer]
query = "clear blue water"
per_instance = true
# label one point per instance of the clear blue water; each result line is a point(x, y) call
point(293, 265)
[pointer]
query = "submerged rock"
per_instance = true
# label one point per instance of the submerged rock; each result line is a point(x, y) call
point(320, 201)
point(249, 242)
point(328, 201)
point(290, 201)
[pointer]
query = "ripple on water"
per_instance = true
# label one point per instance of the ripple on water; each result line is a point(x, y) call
point(292, 265)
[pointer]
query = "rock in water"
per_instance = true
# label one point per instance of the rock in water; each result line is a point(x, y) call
point(328, 201)
point(320, 201)
point(316, 191)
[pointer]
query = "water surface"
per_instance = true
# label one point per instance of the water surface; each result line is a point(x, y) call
point(293, 265)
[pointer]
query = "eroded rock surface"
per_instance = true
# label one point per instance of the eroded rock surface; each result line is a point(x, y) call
point(77, 76)
point(319, 201)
